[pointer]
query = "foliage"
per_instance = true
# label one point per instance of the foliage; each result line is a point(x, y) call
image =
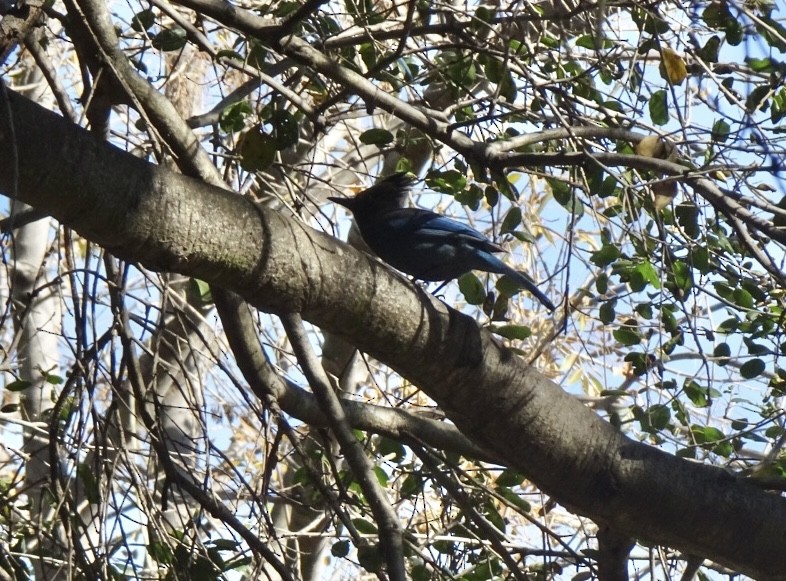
point(626, 154)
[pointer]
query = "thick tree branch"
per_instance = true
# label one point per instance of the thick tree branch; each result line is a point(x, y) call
point(613, 553)
point(170, 222)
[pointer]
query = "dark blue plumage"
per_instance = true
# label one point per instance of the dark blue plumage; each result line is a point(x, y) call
point(421, 243)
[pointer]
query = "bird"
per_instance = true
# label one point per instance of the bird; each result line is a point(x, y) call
point(423, 244)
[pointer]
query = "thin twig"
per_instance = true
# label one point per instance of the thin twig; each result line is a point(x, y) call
point(179, 477)
point(390, 533)
point(267, 385)
point(491, 532)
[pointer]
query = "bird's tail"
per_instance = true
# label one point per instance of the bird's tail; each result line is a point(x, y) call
point(526, 283)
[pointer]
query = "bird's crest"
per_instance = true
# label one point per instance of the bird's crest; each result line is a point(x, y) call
point(392, 191)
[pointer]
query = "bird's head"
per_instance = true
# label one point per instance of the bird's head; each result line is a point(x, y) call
point(385, 194)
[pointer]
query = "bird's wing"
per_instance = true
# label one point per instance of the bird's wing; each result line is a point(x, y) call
point(438, 229)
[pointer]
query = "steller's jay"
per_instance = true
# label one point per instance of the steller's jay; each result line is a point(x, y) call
point(423, 244)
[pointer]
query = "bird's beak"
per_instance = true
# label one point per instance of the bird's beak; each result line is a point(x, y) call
point(346, 202)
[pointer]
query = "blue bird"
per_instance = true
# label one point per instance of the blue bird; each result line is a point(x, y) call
point(423, 244)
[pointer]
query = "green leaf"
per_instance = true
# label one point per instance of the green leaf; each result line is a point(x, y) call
point(659, 108)
point(658, 417)
point(388, 447)
point(412, 485)
point(364, 526)
point(199, 290)
point(723, 289)
point(143, 20)
point(761, 65)
point(376, 136)
point(644, 310)
point(728, 326)
point(642, 274)
point(18, 385)
point(772, 31)
point(340, 549)
point(720, 131)
point(649, 21)
point(53, 379)
point(602, 283)
point(286, 130)
point(370, 558)
point(722, 352)
point(709, 52)
point(643, 363)
point(421, 572)
point(696, 393)
point(778, 382)
point(369, 54)
point(470, 196)
point(160, 552)
point(381, 475)
point(511, 221)
point(509, 477)
point(683, 278)
point(509, 286)
point(514, 499)
point(257, 150)
point(492, 515)
point(718, 17)
point(606, 255)
point(450, 182)
point(457, 67)
point(778, 110)
point(225, 544)
point(170, 39)
point(627, 335)
point(493, 67)
point(233, 117)
point(707, 434)
point(752, 368)
point(565, 196)
point(700, 259)
point(519, 332)
point(444, 547)
point(473, 290)
point(739, 424)
point(757, 99)
point(586, 41)
point(607, 312)
point(497, 310)
point(257, 54)
point(689, 452)
point(743, 298)
point(225, 53)
point(507, 88)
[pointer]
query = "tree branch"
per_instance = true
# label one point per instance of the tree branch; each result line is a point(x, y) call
point(390, 533)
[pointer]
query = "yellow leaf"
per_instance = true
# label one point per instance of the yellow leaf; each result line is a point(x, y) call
point(673, 67)
point(651, 146)
point(657, 147)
